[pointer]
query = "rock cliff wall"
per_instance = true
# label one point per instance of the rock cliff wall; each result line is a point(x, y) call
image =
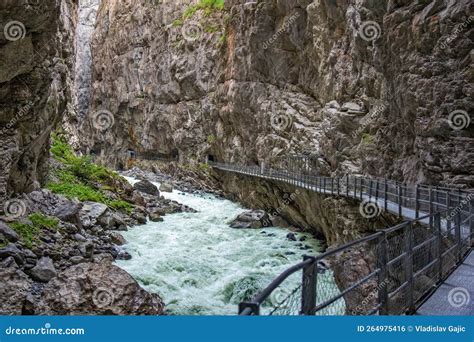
point(369, 86)
point(36, 59)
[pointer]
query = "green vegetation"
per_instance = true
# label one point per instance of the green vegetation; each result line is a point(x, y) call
point(204, 167)
point(222, 39)
point(211, 138)
point(367, 139)
point(81, 178)
point(211, 29)
point(28, 233)
point(178, 22)
point(42, 221)
point(208, 6)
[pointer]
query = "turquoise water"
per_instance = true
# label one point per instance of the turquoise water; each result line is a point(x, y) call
point(201, 266)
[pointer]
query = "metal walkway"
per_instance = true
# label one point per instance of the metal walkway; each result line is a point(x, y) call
point(455, 296)
point(399, 267)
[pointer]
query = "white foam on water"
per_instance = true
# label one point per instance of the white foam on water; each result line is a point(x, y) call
point(201, 266)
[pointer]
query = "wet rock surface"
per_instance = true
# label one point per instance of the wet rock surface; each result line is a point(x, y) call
point(146, 187)
point(251, 219)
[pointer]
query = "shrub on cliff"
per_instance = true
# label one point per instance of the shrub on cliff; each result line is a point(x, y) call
point(78, 177)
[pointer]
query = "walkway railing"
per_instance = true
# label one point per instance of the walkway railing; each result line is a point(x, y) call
point(388, 272)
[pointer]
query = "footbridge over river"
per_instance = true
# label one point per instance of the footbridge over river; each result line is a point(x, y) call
point(409, 268)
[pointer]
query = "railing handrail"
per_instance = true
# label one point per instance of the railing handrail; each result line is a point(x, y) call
point(418, 203)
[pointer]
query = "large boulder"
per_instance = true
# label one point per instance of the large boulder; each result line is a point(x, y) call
point(91, 212)
point(97, 289)
point(11, 250)
point(251, 219)
point(8, 233)
point(166, 187)
point(98, 214)
point(14, 288)
point(147, 188)
point(44, 270)
point(50, 204)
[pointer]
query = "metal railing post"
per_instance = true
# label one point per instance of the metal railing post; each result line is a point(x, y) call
point(253, 308)
point(431, 205)
point(361, 187)
point(377, 191)
point(448, 214)
point(382, 276)
point(385, 194)
point(408, 237)
point(308, 298)
point(399, 200)
point(417, 201)
point(370, 189)
point(338, 186)
point(347, 185)
point(355, 186)
point(457, 229)
point(471, 221)
point(439, 234)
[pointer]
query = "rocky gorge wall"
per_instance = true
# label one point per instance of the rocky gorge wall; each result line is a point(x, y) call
point(335, 220)
point(36, 59)
point(381, 88)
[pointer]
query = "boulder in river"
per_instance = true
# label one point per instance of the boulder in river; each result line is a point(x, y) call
point(166, 187)
point(251, 219)
point(147, 188)
point(97, 289)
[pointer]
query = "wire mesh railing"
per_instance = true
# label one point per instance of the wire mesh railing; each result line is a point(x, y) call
point(409, 201)
point(388, 272)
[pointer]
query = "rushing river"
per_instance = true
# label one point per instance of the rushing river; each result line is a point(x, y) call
point(201, 266)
